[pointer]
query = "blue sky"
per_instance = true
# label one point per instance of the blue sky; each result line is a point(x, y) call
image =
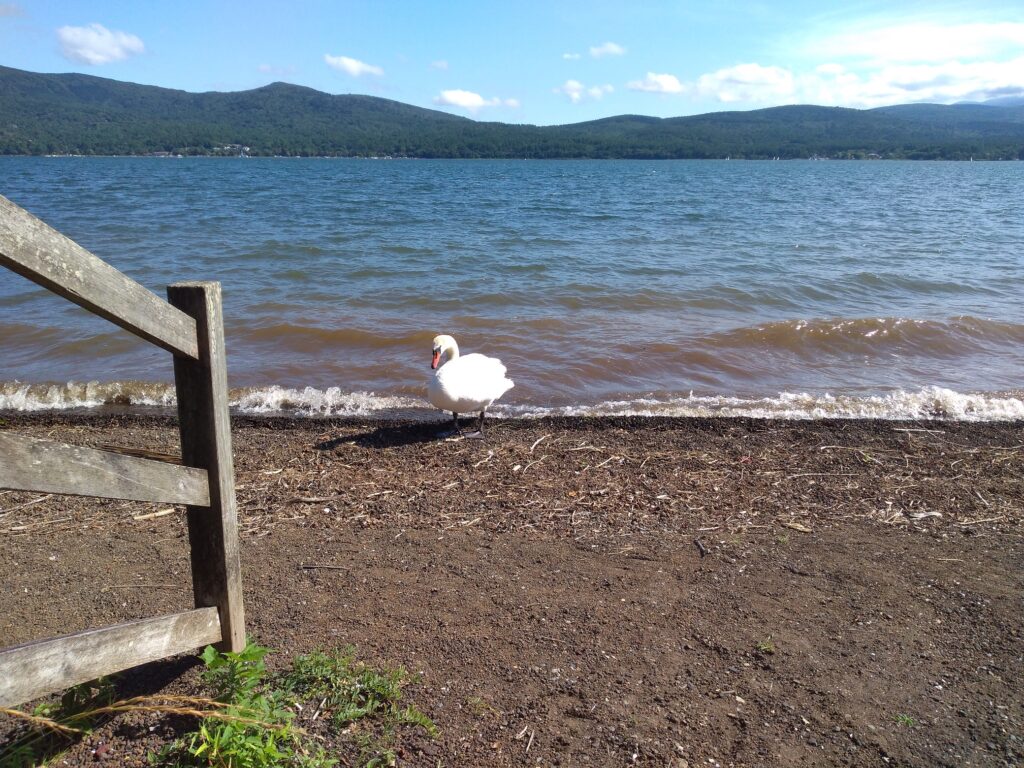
point(559, 61)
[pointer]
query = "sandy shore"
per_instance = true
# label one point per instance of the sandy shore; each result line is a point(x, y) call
point(549, 578)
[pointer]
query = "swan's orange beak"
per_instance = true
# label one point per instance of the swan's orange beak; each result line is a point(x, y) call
point(436, 359)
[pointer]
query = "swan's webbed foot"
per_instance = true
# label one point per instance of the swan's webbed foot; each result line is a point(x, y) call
point(455, 431)
point(479, 433)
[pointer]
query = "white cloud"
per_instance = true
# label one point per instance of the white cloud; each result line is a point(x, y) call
point(921, 42)
point(440, 64)
point(465, 99)
point(576, 91)
point(472, 102)
point(606, 49)
point(655, 83)
point(748, 82)
point(834, 84)
point(95, 44)
point(940, 83)
point(353, 67)
point(875, 61)
point(870, 64)
point(570, 56)
point(11, 10)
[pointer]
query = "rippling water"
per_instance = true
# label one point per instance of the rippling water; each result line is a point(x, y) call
point(787, 288)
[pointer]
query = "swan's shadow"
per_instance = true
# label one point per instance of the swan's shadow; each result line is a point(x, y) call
point(392, 436)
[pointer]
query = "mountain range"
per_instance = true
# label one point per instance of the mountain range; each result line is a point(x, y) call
point(80, 114)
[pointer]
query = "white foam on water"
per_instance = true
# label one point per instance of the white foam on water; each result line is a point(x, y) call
point(18, 396)
point(319, 402)
point(929, 403)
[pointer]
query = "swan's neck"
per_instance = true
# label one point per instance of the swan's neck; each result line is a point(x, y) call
point(449, 353)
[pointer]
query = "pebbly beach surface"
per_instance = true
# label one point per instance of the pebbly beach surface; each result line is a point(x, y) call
point(586, 591)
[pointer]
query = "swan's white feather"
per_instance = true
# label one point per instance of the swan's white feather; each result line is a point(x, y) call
point(468, 384)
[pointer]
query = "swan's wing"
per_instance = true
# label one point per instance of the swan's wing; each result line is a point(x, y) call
point(474, 380)
point(492, 371)
point(483, 366)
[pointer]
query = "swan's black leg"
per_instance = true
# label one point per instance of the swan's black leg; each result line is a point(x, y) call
point(479, 428)
point(455, 427)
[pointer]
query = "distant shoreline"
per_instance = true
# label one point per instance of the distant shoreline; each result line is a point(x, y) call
point(168, 156)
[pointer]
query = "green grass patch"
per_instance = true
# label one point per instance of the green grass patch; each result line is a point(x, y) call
point(252, 718)
point(363, 700)
point(258, 731)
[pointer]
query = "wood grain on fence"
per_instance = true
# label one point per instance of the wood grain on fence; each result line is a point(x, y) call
point(205, 428)
point(37, 464)
point(34, 669)
point(40, 253)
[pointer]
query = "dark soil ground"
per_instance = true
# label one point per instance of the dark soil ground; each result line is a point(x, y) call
point(589, 592)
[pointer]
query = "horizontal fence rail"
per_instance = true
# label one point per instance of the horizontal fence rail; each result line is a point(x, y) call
point(37, 464)
point(34, 669)
point(40, 253)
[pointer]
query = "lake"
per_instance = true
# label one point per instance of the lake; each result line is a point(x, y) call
point(787, 289)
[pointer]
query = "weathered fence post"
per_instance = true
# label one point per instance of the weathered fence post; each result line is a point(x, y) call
point(202, 391)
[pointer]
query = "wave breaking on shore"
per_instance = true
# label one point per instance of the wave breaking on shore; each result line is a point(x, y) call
point(929, 403)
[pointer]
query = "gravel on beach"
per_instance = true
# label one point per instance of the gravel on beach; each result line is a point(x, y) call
point(585, 591)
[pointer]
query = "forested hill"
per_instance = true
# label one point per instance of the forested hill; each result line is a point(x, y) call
point(81, 114)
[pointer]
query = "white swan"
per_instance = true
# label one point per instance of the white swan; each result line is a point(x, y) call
point(465, 384)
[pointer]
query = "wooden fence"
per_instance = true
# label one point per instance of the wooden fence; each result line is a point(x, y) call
point(191, 328)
